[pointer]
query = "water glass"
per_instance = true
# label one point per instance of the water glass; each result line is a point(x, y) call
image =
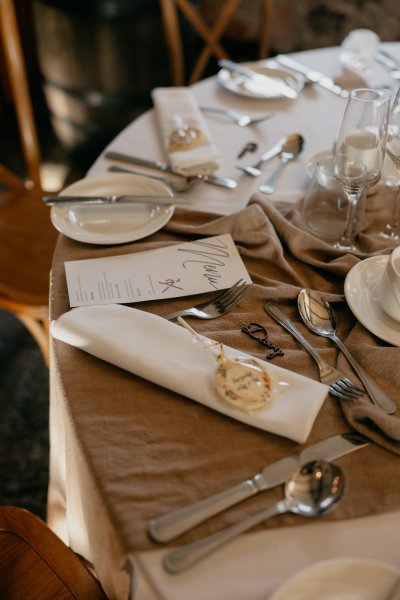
point(325, 206)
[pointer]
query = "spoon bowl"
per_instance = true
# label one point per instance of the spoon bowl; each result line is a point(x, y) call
point(320, 318)
point(312, 490)
point(289, 141)
point(291, 148)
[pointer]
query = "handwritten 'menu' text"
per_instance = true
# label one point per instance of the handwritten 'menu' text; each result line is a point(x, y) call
point(210, 255)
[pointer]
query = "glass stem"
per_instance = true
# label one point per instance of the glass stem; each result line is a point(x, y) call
point(392, 229)
point(346, 240)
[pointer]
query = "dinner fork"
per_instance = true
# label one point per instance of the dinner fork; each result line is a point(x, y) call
point(179, 185)
point(240, 119)
point(218, 306)
point(339, 385)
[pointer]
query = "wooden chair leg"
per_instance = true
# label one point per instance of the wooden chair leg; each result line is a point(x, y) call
point(39, 329)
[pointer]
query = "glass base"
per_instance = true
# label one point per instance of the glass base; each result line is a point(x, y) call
point(390, 234)
point(349, 247)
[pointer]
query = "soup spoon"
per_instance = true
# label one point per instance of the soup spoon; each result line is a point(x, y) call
point(311, 491)
point(254, 170)
point(291, 148)
point(320, 317)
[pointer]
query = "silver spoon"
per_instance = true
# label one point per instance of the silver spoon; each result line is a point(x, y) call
point(290, 150)
point(320, 317)
point(312, 490)
point(276, 149)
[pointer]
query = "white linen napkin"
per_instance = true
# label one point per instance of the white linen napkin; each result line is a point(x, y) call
point(164, 353)
point(358, 56)
point(177, 108)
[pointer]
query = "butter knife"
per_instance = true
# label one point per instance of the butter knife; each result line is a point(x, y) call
point(113, 199)
point(161, 166)
point(263, 84)
point(170, 525)
point(314, 76)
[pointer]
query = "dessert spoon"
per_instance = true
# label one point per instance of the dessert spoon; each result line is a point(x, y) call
point(311, 491)
point(320, 317)
point(291, 148)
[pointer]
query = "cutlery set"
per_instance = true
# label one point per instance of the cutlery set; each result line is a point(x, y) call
point(302, 494)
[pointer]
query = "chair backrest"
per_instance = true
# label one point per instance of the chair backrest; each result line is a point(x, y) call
point(171, 12)
point(36, 564)
point(16, 75)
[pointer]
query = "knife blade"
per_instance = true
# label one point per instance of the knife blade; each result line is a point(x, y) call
point(315, 76)
point(161, 166)
point(126, 199)
point(263, 83)
point(170, 525)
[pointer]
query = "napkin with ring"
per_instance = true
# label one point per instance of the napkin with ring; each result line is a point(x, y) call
point(186, 138)
point(165, 353)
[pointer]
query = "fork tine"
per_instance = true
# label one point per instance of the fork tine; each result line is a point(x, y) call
point(234, 299)
point(341, 395)
point(355, 387)
point(345, 390)
point(349, 387)
point(231, 294)
point(226, 293)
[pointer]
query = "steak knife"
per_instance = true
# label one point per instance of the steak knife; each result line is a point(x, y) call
point(161, 166)
point(170, 525)
point(315, 76)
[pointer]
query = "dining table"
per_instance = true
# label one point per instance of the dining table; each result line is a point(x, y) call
point(124, 450)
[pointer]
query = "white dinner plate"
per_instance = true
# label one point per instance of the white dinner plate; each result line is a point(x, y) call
point(241, 85)
point(116, 223)
point(341, 579)
point(360, 289)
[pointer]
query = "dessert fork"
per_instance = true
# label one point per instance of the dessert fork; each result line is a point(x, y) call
point(240, 119)
point(218, 306)
point(339, 385)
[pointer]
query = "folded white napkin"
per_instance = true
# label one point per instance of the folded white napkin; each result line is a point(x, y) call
point(164, 353)
point(358, 56)
point(177, 109)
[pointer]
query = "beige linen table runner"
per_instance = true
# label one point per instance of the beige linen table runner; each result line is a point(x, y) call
point(147, 451)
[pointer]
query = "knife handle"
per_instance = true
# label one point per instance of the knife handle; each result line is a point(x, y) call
point(155, 164)
point(169, 526)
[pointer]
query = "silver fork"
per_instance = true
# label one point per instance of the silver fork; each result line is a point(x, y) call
point(218, 306)
point(240, 119)
point(339, 385)
point(180, 185)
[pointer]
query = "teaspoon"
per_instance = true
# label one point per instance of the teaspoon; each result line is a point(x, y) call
point(320, 317)
point(290, 150)
point(276, 149)
point(311, 491)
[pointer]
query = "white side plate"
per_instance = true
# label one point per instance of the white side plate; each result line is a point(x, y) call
point(243, 86)
point(116, 223)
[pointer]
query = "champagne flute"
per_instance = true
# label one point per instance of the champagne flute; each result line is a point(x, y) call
point(360, 150)
point(391, 230)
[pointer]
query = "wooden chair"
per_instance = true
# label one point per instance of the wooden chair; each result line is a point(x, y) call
point(36, 564)
point(211, 36)
point(27, 238)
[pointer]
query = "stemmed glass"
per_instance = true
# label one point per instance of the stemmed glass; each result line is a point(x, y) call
point(360, 150)
point(391, 230)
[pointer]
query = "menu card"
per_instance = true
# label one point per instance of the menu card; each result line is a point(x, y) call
point(204, 265)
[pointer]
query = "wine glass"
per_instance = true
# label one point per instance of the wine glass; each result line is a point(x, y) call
point(391, 230)
point(360, 150)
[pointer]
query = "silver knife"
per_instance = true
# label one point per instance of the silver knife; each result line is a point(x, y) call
point(315, 76)
point(126, 199)
point(389, 62)
point(262, 82)
point(161, 166)
point(170, 525)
